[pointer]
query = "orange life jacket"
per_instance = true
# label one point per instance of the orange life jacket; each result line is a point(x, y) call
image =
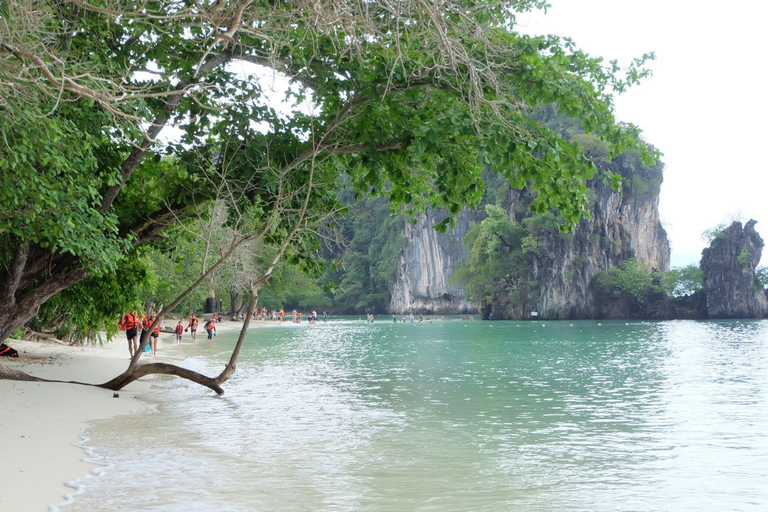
point(130, 322)
point(193, 323)
point(156, 330)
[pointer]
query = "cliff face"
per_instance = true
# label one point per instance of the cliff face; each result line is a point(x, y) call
point(620, 228)
point(623, 225)
point(426, 264)
point(729, 273)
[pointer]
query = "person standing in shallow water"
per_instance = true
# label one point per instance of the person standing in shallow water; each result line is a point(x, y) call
point(210, 327)
point(193, 323)
point(179, 331)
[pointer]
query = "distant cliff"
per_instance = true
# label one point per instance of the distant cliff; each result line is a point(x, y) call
point(624, 224)
point(425, 266)
point(729, 264)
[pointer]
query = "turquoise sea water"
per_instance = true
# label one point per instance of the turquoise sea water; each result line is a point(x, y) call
point(448, 416)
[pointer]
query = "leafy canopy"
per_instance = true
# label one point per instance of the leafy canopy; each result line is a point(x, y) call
point(403, 100)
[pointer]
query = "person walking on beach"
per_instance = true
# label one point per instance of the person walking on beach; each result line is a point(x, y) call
point(153, 338)
point(144, 328)
point(193, 323)
point(210, 327)
point(179, 331)
point(130, 322)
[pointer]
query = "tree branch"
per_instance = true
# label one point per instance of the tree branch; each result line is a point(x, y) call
point(158, 124)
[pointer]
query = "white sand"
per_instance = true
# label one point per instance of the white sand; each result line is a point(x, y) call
point(41, 422)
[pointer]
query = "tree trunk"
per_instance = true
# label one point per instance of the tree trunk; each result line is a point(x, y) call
point(140, 371)
point(13, 374)
point(235, 301)
point(232, 365)
point(20, 307)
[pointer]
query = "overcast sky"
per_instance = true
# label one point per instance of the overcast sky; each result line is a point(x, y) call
point(705, 107)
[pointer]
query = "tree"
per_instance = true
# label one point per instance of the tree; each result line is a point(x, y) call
point(407, 100)
point(631, 281)
point(683, 281)
point(499, 262)
point(761, 276)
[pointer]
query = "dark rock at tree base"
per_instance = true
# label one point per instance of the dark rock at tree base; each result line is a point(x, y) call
point(729, 273)
point(692, 307)
point(655, 304)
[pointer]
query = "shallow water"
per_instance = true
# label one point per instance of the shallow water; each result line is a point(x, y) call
point(451, 416)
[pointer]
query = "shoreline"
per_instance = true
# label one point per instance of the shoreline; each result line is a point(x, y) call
point(42, 423)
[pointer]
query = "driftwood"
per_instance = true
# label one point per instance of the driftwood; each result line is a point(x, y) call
point(31, 335)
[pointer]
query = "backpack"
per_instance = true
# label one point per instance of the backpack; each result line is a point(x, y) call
point(6, 351)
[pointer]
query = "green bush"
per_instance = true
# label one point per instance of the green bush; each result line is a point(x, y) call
point(631, 280)
point(745, 258)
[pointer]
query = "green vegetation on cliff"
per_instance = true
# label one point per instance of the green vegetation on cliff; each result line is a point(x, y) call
point(500, 256)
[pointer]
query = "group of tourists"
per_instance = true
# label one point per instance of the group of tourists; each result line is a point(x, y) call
point(194, 323)
point(413, 319)
point(275, 315)
point(135, 326)
point(278, 315)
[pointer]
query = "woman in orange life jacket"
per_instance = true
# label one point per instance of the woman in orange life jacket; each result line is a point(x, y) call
point(155, 334)
point(130, 323)
point(193, 323)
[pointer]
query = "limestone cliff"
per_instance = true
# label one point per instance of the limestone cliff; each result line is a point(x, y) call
point(624, 224)
point(425, 266)
point(729, 273)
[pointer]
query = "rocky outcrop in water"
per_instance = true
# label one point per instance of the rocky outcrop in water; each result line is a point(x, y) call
point(729, 273)
point(624, 224)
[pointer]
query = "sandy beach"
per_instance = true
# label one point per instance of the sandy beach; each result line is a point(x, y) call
point(41, 423)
